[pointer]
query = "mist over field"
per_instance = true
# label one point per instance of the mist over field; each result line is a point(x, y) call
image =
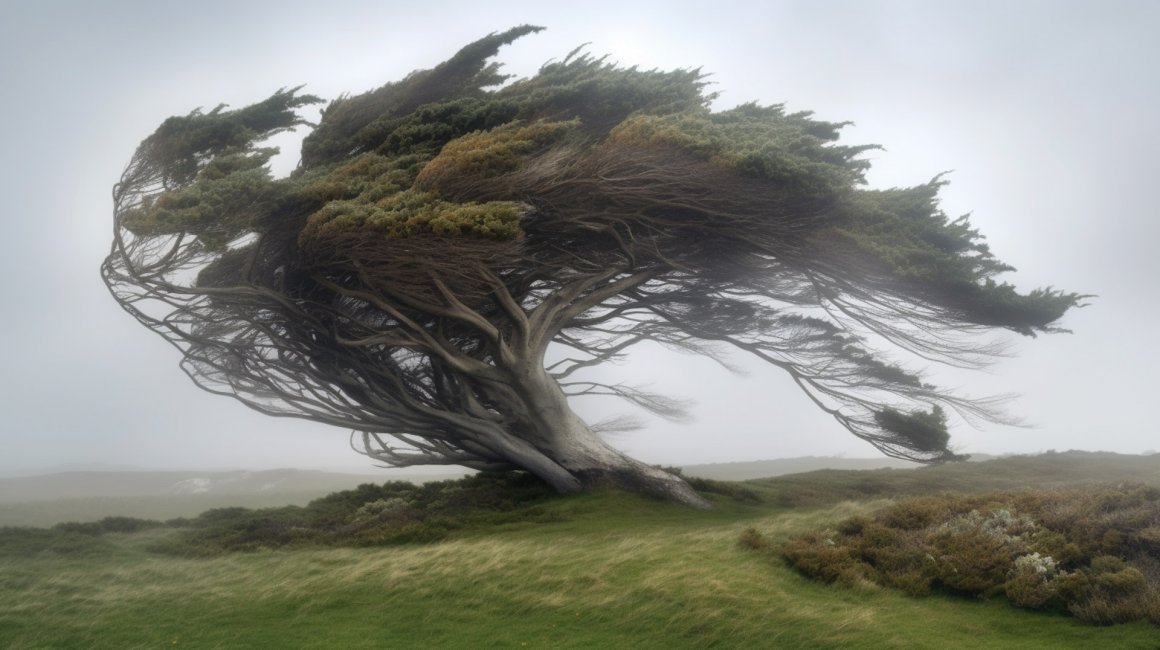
point(1032, 113)
point(139, 511)
point(47, 499)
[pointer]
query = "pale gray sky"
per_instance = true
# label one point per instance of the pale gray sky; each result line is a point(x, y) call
point(1046, 112)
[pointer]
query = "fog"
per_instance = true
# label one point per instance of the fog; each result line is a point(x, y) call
point(1045, 112)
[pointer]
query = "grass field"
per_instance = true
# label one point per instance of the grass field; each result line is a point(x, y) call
point(606, 570)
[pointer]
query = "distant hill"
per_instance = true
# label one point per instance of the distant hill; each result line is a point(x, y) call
point(1051, 470)
point(88, 484)
point(747, 470)
point(91, 495)
point(88, 495)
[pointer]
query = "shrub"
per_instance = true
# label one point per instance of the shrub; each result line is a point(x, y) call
point(817, 555)
point(752, 539)
point(1086, 551)
point(1034, 581)
point(25, 542)
point(369, 515)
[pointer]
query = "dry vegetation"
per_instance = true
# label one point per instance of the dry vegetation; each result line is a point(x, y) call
point(1092, 552)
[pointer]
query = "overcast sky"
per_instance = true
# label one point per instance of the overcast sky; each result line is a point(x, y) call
point(1046, 112)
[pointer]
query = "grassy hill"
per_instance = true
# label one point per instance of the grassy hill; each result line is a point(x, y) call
point(50, 498)
point(598, 570)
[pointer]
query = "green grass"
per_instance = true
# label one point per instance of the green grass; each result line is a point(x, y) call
point(604, 570)
point(1046, 471)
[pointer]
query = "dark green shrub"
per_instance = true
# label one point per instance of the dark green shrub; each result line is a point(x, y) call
point(24, 542)
point(126, 524)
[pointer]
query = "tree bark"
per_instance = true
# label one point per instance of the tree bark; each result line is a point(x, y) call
point(573, 458)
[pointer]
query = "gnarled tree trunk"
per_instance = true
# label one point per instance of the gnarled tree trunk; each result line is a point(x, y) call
point(575, 458)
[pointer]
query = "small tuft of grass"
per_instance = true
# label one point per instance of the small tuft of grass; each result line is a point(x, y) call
point(752, 539)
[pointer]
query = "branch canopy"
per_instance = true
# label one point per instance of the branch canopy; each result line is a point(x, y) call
point(442, 231)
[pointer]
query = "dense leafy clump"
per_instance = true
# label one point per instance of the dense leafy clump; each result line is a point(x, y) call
point(1094, 553)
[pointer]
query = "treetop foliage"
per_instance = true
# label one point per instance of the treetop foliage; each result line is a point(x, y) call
point(436, 221)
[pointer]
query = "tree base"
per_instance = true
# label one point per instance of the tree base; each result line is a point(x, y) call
point(645, 480)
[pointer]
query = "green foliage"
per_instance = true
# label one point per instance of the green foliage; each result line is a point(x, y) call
point(412, 212)
point(925, 431)
point(369, 178)
point(431, 127)
point(25, 542)
point(116, 524)
point(902, 235)
point(486, 154)
point(601, 95)
point(794, 151)
point(362, 123)
point(183, 146)
point(225, 200)
point(1053, 470)
point(1078, 550)
point(454, 125)
point(68, 539)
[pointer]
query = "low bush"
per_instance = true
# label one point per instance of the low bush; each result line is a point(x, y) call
point(369, 515)
point(1090, 552)
point(68, 539)
point(107, 525)
point(395, 512)
point(24, 542)
point(751, 538)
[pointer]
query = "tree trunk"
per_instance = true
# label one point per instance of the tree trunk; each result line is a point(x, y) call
point(596, 464)
point(573, 458)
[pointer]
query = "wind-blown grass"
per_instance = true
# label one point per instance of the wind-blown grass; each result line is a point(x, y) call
point(599, 570)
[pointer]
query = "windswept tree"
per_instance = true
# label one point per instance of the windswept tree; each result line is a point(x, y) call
point(453, 251)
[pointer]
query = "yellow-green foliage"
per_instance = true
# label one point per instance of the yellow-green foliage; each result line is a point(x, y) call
point(413, 212)
point(370, 177)
point(375, 193)
point(485, 154)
